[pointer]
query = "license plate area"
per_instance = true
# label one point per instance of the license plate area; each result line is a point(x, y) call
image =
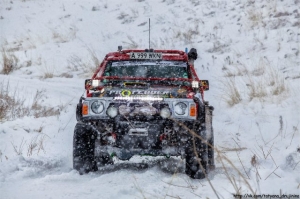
point(138, 132)
point(145, 55)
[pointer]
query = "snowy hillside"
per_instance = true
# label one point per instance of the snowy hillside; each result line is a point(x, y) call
point(249, 50)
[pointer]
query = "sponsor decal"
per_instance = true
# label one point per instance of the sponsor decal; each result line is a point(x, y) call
point(125, 93)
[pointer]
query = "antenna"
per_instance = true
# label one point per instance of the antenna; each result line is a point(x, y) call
point(149, 33)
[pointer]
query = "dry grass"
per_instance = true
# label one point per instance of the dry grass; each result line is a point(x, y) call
point(231, 95)
point(66, 75)
point(130, 17)
point(21, 43)
point(257, 89)
point(224, 161)
point(187, 35)
point(48, 75)
point(61, 36)
point(38, 110)
point(238, 175)
point(261, 79)
point(87, 65)
point(255, 17)
point(238, 70)
point(268, 82)
point(13, 106)
point(18, 149)
point(48, 72)
point(36, 144)
point(9, 62)
point(130, 44)
point(220, 46)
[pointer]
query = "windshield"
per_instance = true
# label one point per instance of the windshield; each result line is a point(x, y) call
point(147, 69)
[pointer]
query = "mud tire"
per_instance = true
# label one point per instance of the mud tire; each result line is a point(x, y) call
point(83, 148)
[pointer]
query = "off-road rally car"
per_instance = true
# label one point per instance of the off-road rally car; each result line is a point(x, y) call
point(145, 102)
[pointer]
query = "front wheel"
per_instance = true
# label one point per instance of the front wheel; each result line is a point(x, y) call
point(196, 159)
point(83, 148)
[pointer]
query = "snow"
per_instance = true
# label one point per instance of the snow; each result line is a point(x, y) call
point(234, 39)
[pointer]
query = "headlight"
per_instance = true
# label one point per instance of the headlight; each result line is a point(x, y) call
point(180, 108)
point(165, 113)
point(97, 107)
point(112, 111)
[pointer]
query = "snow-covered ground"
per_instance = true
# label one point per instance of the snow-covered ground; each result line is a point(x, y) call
point(248, 50)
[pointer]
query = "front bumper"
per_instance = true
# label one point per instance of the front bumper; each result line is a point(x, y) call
point(126, 154)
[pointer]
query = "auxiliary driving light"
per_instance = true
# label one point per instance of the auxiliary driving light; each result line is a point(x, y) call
point(112, 112)
point(165, 113)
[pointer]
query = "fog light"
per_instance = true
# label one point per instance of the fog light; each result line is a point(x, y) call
point(165, 113)
point(112, 111)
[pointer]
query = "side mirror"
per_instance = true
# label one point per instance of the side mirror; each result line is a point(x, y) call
point(204, 84)
point(91, 83)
